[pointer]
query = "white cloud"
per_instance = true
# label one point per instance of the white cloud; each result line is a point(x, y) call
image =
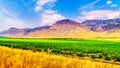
point(98, 14)
point(41, 3)
point(114, 5)
point(90, 5)
point(49, 17)
point(8, 20)
point(109, 2)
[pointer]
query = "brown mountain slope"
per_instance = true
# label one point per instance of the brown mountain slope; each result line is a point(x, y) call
point(112, 33)
point(64, 29)
point(70, 29)
point(20, 32)
point(15, 32)
point(102, 25)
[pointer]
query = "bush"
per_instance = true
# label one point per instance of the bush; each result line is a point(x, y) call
point(93, 56)
point(108, 57)
point(100, 56)
point(117, 58)
point(81, 54)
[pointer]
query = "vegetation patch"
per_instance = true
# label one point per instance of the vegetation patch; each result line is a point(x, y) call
point(107, 50)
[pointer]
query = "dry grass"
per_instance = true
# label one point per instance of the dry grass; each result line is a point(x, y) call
point(16, 58)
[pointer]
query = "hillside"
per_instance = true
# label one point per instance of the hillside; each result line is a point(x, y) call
point(69, 29)
point(63, 29)
point(17, 32)
point(103, 25)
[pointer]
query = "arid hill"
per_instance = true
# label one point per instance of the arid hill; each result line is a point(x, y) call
point(70, 29)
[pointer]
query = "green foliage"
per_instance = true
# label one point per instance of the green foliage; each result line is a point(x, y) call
point(81, 54)
point(93, 56)
point(117, 58)
point(100, 56)
point(92, 48)
point(108, 57)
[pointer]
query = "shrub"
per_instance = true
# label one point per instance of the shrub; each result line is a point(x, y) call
point(93, 56)
point(81, 54)
point(117, 58)
point(100, 56)
point(108, 57)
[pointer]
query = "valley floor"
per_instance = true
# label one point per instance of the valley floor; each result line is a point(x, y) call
point(16, 58)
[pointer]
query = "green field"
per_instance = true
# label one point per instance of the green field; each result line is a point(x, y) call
point(108, 50)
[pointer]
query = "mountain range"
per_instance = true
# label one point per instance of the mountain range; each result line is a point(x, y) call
point(69, 29)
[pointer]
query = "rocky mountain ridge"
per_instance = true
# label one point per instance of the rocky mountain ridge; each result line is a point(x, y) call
point(69, 29)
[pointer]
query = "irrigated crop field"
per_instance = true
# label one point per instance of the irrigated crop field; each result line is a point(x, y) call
point(107, 50)
point(16, 58)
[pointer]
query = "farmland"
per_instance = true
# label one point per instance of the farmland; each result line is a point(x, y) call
point(101, 49)
point(17, 58)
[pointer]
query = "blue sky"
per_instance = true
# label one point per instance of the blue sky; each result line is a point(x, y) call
point(34, 13)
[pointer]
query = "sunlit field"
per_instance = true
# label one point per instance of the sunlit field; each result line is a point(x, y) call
point(95, 49)
point(59, 33)
point(16, 58)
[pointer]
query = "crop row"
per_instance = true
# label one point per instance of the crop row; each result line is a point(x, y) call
point(91, 48)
